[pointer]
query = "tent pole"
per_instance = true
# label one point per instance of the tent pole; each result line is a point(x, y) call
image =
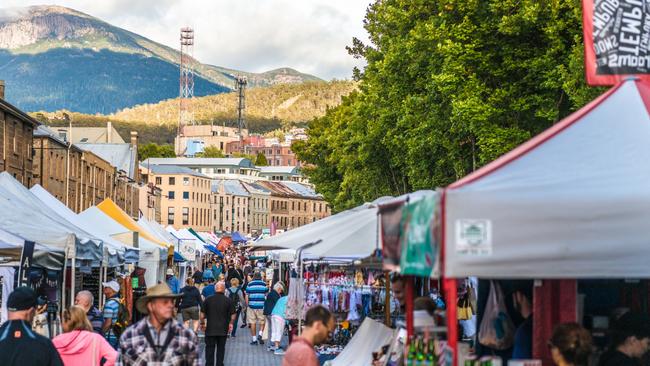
point(65, 267)
point(387, 300)
point(72, 279)
point(409, 305)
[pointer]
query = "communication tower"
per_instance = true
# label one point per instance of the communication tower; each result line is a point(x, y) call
point(240, 86)
point(186, 92)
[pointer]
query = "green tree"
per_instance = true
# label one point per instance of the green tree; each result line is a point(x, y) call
point(210, 152)
point(245, 156)
point(449, 86)
point(153, 150)
point(260, 160)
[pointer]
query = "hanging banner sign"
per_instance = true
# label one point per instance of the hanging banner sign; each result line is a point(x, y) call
point(617, 40)
point(419, 239)
point(25, 262)
point(187, 250)
point(391, 217)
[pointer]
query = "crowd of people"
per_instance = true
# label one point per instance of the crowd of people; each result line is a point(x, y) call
point(211, 303)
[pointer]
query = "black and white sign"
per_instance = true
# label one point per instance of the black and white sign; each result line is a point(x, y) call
point(25, 262)
point(617, 39)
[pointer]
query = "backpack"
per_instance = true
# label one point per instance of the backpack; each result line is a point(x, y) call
point(123, 320)
point(234, 296)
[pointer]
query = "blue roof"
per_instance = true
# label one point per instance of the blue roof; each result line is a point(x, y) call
point(231, 186)
point(301, 189)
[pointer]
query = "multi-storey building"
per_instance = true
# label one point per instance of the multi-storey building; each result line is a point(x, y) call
point(232, 206)
point(281, 173)
point(150, 198)
point(206, 135)
point(258, 207)
point(215, 168)
point(293, 204)
point(79, 178)
point(93, 135)
point(16, 139)
point(186, 196)
point(276, 154)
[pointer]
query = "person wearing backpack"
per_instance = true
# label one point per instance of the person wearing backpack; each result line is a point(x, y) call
point(111, 312)
point(236, 294)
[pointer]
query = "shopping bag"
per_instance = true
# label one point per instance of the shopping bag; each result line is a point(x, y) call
point(497, 330)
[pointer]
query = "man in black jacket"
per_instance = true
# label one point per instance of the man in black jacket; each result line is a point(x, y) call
point(219, 311)
point(271, 299)
point(19, 345)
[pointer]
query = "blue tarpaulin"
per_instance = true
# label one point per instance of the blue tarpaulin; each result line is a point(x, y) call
point(178, 257)
point(214, 250)
point(236, 237)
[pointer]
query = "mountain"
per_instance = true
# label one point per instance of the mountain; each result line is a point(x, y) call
point(267, 109)
point(53, 57)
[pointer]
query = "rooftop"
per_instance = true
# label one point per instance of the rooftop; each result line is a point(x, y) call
point(173, 170)
point(122, 156)
point(241, 162)
point(230, 186)
point(279, 170)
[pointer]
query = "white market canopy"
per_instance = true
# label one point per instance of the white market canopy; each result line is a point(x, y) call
point(573, 202)
point(118, 252)
point(346, 236)
point(23, 214)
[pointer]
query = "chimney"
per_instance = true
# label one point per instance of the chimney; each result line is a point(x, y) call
point(2, 89)
point(109, 132)
point(134, 138)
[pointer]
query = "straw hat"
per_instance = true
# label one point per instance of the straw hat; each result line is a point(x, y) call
point(157, 292)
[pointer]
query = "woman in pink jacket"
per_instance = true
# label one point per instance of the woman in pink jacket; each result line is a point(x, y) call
point(79, 345)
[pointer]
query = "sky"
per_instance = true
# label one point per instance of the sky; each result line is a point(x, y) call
point(249, 35)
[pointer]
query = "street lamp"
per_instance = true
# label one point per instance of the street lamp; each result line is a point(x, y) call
point(66, 117)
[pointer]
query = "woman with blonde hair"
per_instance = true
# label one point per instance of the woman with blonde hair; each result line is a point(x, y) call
point(570, 345)
point(79, 345)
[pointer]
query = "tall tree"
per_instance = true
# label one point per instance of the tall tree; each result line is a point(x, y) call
point(449, 86)
point(260, 160)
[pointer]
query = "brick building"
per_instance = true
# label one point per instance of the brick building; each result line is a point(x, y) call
point(258, 207)
point(16, 139)
point(231, 206)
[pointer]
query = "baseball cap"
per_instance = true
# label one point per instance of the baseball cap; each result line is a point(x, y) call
point(22, 298)
point(112, 285)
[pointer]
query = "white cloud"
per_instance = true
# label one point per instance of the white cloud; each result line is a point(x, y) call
point(250, 35)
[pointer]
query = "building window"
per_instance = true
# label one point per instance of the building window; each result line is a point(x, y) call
point(158, 181)
point(171, 195)
point(170, 216)
point(186, 196)
point(186, 214)
point(172, 181)
point(186, 181)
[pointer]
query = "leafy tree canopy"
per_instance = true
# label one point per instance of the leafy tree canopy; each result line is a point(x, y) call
point(449, 86)
point(210, 152)
point(153, 150)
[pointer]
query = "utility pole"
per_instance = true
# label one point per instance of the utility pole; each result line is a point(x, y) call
point(67, 160)
point(240, 86)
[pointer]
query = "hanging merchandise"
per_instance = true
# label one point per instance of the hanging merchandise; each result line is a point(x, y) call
point(7, 278)
point(497, 330)
point(419, 247)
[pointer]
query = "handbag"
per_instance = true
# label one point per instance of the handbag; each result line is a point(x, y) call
point(464, 309)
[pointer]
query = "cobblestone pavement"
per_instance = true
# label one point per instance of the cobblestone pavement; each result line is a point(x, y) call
point(240, 353)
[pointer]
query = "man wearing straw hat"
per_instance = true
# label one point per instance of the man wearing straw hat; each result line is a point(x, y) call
point(158, 339)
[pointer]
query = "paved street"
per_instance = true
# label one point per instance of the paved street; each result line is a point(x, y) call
point(240, 353)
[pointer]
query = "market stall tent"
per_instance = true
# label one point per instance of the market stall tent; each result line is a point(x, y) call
point(152, 256)
point(118, 252)
point(11, 247)
point(116, 213)
point(23, 214)
point(573, 202)
point(348, 235)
